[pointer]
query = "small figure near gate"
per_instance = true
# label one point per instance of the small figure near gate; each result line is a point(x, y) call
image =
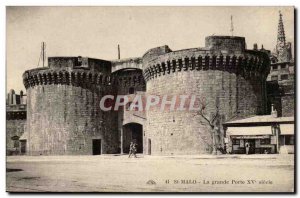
point(132, 149)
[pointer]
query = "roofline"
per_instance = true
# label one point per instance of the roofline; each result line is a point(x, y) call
point(258, 123)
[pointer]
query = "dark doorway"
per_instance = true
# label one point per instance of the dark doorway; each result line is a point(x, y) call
point(97, 147)
point(23, 146)
point(133, 132)
point(252, 145)
point(149, 146)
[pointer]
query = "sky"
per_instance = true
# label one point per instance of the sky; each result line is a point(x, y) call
point(96, 31)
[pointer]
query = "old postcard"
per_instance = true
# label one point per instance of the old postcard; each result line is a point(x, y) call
point(150, 99)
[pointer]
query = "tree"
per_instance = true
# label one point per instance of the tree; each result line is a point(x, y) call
point(210, 120)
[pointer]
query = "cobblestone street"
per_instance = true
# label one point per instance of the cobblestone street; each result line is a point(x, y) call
point(116, 173)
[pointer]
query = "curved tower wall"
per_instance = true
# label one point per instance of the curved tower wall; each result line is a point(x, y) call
point(63, 113)
point(225, 75)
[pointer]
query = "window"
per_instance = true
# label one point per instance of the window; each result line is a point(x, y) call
point(265, 141)
point(289, 140)
point(284, 77)
point(274, 77)
point(275, 67)
point(283, 66)
point(131, 90)
point(236, 142)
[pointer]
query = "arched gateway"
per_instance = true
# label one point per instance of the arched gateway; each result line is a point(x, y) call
point(132, 132)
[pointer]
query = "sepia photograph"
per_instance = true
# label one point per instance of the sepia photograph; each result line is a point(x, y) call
point(150, 99)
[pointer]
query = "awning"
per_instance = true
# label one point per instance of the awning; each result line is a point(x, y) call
point(253, 130)
point(252, 137)
point(286, 129)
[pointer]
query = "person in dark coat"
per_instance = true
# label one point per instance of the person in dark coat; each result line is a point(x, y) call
point(247, 145)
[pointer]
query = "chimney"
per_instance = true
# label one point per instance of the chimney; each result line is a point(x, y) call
point(273, 112)
point(255, 46)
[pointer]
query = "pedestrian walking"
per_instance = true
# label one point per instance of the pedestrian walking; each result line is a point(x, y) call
point(131, 149)
point(134, 150)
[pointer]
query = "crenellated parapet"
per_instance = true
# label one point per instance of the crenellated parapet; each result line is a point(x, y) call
point(248, 65)
point(224, 53)
point(78, 77)
point(76, 71)
point(128, 78)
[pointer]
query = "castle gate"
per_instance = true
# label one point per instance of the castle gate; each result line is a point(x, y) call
point(132, 132)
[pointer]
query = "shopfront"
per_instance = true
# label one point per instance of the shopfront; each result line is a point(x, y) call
point(260, 139)
point(286, 138)
point(265, 135)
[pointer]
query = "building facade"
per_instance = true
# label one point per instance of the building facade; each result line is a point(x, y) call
point(270, 133)
point(64, 118)
point(15, 123)
point(266, 134)
point(280, 81)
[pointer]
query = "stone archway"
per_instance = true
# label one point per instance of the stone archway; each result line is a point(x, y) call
point(132, 132)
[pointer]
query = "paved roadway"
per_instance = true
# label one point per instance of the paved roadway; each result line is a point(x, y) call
point(115, 173)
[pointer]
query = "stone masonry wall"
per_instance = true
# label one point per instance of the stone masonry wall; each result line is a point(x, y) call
point(181, 132)
point(222, 74)
point(63, 119)
point(288, 105)
point(14, 127)
point(63, 112)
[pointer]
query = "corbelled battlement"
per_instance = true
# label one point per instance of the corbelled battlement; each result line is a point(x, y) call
point(128, 78)
point(248, 65)
point(225, 53)
point(76, 71)
point(78, 77)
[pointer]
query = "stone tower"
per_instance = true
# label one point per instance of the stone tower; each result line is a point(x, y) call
point(63, 113)
point(224, 73)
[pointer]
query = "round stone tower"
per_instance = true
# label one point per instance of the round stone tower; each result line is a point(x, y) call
point(223, 75)
point(63, 113)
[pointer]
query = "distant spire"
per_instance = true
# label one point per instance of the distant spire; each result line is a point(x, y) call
point(119, 52)
point(280, 35)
